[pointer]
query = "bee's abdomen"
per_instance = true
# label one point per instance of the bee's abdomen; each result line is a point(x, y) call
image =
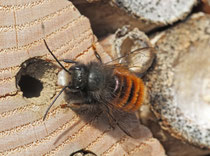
point(130, 93)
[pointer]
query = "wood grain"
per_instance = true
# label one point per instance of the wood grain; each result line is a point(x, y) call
point(22, 52)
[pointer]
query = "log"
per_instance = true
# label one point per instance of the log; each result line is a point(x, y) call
point(178, 88)
point(106, 16)
point(28, 84)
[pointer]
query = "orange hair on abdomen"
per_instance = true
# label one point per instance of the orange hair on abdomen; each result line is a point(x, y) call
point(131, 93)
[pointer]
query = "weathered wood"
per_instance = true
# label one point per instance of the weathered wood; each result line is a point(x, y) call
point(133, 46)
point(178, 87)
point(22, 53)
point(107, 16)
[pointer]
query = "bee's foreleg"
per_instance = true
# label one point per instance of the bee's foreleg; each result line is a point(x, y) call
point(69, 61)
point(71, 105)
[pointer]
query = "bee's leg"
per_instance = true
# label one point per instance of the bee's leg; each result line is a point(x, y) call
point(112, 123)
point(69, 61)
point(75, 99)
point(98, 56)
point(77, 103)
point(72, 105)
point(80, 108)
point(95, 52)
point(64, 105)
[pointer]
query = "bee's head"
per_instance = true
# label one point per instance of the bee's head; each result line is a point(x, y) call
point(79, 77)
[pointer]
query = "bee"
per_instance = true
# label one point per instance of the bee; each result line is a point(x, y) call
point(103, 85)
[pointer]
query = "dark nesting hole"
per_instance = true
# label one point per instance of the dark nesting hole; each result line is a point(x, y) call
point(30, 86)
point(83, 152)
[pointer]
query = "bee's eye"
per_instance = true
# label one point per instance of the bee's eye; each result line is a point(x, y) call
point(75, 68)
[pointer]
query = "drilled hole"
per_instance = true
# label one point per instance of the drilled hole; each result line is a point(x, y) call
point(30, 86)
point(36, 80)
point(83, 152)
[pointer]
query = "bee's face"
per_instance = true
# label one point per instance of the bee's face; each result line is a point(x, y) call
point(79, 77)
point(63, 78)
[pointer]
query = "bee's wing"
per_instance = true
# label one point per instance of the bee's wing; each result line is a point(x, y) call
point(138, 60)
point(129, 123)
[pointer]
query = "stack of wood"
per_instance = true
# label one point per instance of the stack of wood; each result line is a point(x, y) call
point(175, 69)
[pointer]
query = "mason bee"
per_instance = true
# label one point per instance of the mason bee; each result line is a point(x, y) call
point(103, 85)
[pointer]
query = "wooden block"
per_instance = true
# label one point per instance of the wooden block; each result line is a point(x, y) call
point(28, 84)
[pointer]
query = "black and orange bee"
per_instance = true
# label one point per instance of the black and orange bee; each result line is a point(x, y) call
point(106, 86)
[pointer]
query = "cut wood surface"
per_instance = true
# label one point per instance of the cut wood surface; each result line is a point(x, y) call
point(108, 15)
point(28, 76)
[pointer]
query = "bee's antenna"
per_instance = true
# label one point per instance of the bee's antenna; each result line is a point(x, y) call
point(136, 50)
point(53, 102)
point(55, 57)
point(43, 29)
